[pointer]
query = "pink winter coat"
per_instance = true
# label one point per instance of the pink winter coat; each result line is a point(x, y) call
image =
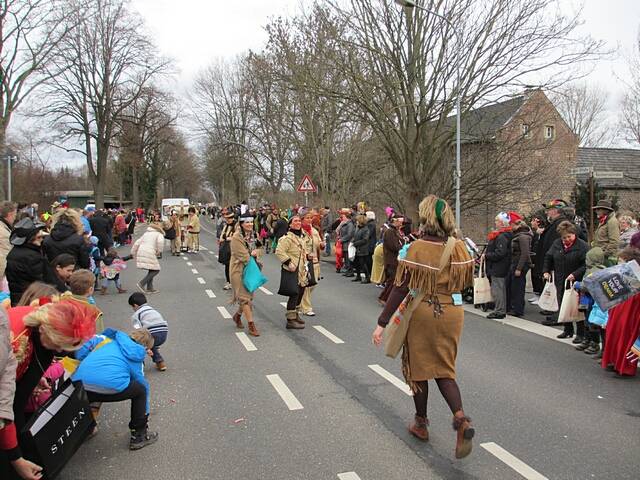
point(147, 248)
point(120, 225)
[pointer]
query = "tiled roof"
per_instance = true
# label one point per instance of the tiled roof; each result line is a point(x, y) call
point(625, 160)
point(483, 123)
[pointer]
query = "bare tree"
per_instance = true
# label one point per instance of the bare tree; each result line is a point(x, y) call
point(399, 67)
point(30, 31)
point(100, 69)
point(584, 108)
point(143, 125)
point(220, 109)
point(629, 117)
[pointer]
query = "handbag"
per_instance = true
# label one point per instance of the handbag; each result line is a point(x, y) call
point(569, 311)
point(481, 285)
point(549, 297)
point(224, 253)
point(252, 277)
point(58, 428)
point(312, 281)
point(396, 331)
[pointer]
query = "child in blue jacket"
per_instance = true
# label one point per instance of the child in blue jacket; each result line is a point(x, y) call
point(113, 372)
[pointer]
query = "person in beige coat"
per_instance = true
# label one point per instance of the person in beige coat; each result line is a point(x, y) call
point(314, 241)
point(193, 231)
point(146, 250)
point(8, 366)
point(8, 213)
point(244, 245)
point(293, 251)
point(607, 234)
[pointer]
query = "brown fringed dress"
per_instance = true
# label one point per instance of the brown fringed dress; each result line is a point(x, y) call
point(435, 328)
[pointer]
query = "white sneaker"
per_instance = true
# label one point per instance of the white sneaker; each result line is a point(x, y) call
point(227, 286)
point(534, 300)
point(310, 313)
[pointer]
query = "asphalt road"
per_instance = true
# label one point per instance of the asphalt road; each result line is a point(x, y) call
point(541, 409)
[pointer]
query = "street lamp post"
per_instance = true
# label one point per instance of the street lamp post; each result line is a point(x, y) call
point(9, 185)
point(457, 174)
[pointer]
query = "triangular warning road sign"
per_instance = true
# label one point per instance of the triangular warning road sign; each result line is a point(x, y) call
point(306, 185)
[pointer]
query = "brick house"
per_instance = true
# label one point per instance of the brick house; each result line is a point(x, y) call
point(522, 141)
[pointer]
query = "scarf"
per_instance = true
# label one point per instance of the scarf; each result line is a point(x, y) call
point(306, 228)
point(568, 245)
point(603, 218)
point(496, 233)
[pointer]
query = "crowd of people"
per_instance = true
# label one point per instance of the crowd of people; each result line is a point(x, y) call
point(51, 328)
point(54, 264)
point(554, 247)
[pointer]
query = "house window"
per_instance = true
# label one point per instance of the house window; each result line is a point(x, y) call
point(549, 132)
point(525, 129)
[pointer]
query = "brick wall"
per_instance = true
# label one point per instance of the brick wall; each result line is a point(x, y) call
point(537, 167)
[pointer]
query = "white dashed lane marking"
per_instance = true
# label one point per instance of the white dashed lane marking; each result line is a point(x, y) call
point(194, 271)
point(265, 291)
point(189, 264)
point(210, 293)
point(289, 398)
point(224, 312)
point(513, 462)
point(201, 280)
point(348, 476)
point(390, 377)
point(284, 304)
point(328, 334)
point(246, 342)
point(183, 257)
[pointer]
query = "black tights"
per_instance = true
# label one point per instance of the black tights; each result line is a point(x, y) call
point(226, 272)
point(449, 390)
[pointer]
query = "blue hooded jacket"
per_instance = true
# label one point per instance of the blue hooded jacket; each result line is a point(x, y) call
point(112, 367)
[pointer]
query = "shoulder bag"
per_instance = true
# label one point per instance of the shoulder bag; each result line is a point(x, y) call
point(396, 331)
point(289, 280)
point(58, 428)
point(481, 285)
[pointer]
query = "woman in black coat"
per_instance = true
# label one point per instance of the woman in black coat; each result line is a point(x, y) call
point(25, 262)
point(361, 242)
point(66, 237)
point(567, 259)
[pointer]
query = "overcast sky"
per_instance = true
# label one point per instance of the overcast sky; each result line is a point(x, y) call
point(194, 32)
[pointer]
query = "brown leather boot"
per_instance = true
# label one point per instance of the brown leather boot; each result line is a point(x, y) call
point(298, 319)
point(419, 428)
point(462, 424)
point(291, 321)
point(237, 317)
point(253, 331)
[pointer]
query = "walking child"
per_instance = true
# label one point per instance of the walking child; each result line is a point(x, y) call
point(113, 264)
point(145, 316)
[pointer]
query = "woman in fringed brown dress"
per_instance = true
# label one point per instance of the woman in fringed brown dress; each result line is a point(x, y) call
point(431, 345)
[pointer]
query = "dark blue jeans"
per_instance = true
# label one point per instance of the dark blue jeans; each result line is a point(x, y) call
point(158, 339)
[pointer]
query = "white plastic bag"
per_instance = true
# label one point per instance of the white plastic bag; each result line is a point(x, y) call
point(351, 250)
point(481, 285)
point(569, 311)
point(549, 296)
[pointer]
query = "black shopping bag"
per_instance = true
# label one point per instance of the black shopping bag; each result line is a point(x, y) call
point(288, 283)
point(58, 428)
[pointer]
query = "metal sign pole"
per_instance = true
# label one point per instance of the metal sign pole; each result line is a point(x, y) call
point(591, 200)
point(306, 199)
